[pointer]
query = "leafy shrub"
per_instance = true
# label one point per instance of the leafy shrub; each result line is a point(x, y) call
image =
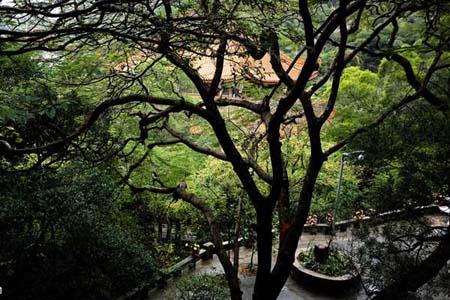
point(337, 263)
point(62, 239)
point(201, 287)
point(168, 255)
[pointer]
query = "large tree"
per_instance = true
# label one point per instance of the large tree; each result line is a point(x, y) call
point(173, 33)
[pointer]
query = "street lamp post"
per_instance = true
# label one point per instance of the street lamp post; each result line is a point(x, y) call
point(338, 191)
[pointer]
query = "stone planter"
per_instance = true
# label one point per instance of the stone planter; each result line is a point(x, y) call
point(318, 281)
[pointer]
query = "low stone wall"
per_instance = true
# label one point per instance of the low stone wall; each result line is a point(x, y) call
point(399, 214)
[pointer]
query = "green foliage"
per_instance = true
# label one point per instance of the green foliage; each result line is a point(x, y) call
point(359, 101)
point(21, 96)
point(70, 229)
point(337, 264)
point(167, 255)
point(395, 178)
point(218, 185)
point(325, 192)
point(35, 111)
point(406, 159)
point(62, 237)
point(296, 151)
point(201, 287)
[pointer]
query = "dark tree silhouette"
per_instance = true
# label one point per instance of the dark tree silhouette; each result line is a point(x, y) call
point(176, 30)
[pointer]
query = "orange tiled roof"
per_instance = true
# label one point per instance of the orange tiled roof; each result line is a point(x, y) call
point(239, 65)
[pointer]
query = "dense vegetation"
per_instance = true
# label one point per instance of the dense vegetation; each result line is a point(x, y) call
point(116, 156)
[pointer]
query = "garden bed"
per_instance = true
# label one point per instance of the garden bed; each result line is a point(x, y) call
point(335, 274)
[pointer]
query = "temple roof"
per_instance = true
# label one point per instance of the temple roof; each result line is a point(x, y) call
point(239, 65)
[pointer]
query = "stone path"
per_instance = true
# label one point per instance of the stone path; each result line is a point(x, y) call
point(291, 291)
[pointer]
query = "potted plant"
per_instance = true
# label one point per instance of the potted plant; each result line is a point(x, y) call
point(359, 216)
point(195, 248)
point(312, 221)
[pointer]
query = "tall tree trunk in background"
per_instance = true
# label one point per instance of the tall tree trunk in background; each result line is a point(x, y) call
point(160, 230)
point(177, 231)
point(216, 236)
point(169, 230)
point(229, 269)
point(237, 233)
point(230, 273)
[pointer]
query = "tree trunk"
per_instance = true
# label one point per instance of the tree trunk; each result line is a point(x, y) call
point(160, 231)
point(169, 230)
point(237, 233)
point(284, 208)
point(264, 238)
point(286, 253)
point(215, 231)
point(177, 231)
point(421, 274)
point(230, 273)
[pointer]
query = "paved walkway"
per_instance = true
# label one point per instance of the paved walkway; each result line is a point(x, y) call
point(291, 291)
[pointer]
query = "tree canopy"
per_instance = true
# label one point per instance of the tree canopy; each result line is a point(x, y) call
point(116, 82)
